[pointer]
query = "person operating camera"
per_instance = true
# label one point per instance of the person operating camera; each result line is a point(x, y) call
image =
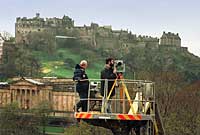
point(109, 72)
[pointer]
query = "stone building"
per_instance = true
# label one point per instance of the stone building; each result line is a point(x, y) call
point(1, 48)
point(94, 35)
point(24, 25)
point(170, 39)
point(5, 96)
point(28, 93)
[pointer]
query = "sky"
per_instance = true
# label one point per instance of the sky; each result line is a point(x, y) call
point(141, 17)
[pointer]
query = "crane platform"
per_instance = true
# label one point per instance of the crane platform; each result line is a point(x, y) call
point(112, 116)
point(132, 111)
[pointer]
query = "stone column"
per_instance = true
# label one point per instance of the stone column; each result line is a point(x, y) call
point(61, 107)
point(37, 96)
point(30, 98)
point(0, 99)
point(9, 97)
point(14, 95)
point(20, 99)
point(3, 99)
point(25, 99)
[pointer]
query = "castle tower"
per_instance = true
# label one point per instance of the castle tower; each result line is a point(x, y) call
point(37, 15)
point(1, 47)
point(170, 39)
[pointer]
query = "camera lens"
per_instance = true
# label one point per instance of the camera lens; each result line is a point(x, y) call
point(119, 63)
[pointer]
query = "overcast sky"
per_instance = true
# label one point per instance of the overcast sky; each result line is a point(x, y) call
point(145, 17)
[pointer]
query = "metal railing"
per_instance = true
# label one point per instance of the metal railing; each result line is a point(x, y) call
point(131, 97)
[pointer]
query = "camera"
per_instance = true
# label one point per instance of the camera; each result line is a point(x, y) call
point(119, 65)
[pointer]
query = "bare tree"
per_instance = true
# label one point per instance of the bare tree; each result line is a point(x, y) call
point(6, 36)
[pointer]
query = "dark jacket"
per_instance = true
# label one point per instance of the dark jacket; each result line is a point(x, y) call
point(107, 73)
point(81, 86)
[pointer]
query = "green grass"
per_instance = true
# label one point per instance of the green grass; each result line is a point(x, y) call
point(50, 129)
point(67, 53)
point(55, 65)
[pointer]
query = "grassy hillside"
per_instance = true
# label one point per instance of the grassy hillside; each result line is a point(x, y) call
point(63, 62)
point(172, 69)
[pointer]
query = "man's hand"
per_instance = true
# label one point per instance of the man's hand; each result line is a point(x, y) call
point(114, 70)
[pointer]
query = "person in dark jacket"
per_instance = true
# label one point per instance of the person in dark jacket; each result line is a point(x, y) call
point(82, 85)
point(109, 72)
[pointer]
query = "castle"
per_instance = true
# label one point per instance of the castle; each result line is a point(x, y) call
point(95, 35)
point(24, 26)
point(170, 39)
point(1, 48)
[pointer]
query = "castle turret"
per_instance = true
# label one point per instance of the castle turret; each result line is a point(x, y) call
point(170, 39)
point(37, 15)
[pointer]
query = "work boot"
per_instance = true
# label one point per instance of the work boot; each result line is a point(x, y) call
point(75, 109)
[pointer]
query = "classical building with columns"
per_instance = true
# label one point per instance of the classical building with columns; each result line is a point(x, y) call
point(28, 93)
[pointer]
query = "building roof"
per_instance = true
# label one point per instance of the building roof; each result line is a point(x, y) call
point(34, 81)
point(170, 35)
point(3, 83)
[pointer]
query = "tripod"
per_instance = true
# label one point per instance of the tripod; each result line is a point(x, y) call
point(119, 78)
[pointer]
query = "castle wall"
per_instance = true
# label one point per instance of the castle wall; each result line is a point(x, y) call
point(93, 34)
point(24, 26)
point(1, 49)
point(170, 39)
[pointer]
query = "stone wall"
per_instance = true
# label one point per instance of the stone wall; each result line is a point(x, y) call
point(94, 35)
point(5, 97)
point(90, 34)
point(63, 101)
point(170, 39)
point(1, 48)
point(24, 26)
point(28, 93)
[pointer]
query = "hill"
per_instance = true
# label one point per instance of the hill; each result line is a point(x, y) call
point(45, 56)
point(64, 61)
point(173, 69)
